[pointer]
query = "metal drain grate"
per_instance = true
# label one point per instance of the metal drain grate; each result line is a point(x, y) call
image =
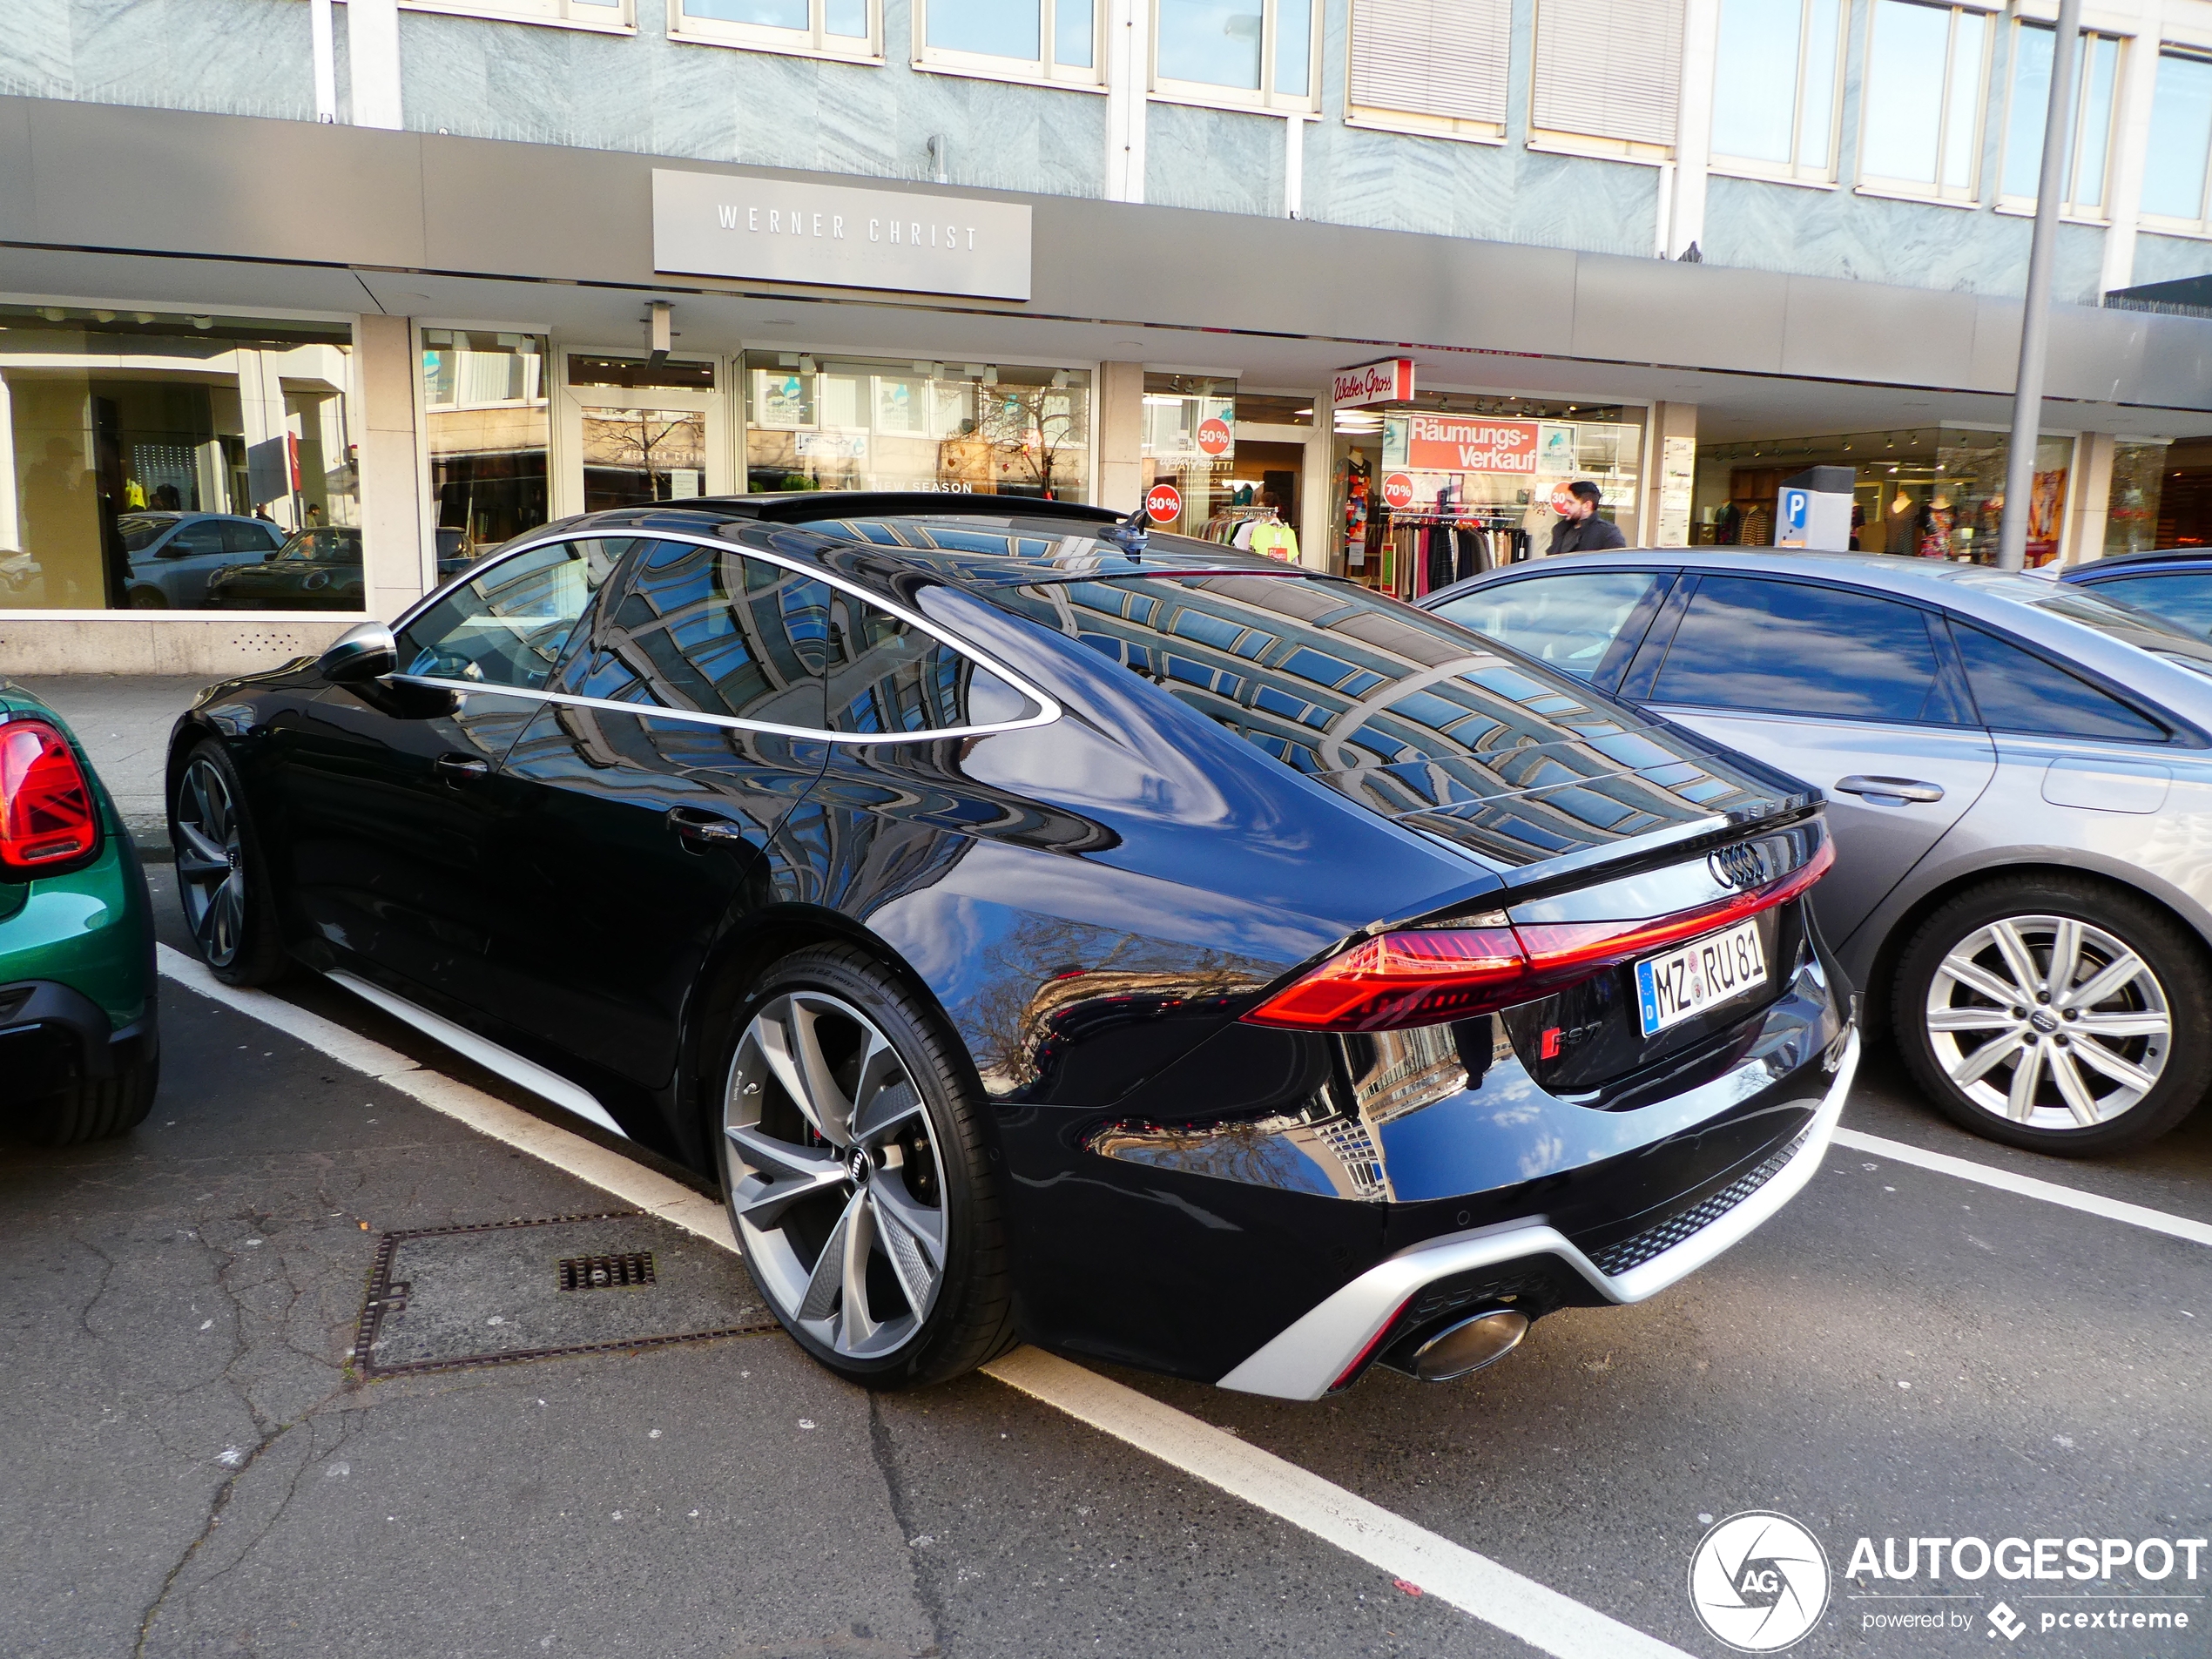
point(607, 1272)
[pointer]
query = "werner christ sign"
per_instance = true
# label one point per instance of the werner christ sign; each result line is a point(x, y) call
point(774, 230)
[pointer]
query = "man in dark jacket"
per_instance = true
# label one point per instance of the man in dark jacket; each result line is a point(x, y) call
point(1580, 530)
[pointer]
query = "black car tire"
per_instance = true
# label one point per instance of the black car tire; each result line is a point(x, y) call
point(257, 954)
point(1942, 1023)
point(143, 598)
point(95, 1109)
point(970, 1320)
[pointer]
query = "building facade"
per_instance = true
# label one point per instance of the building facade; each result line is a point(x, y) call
point(381, 284)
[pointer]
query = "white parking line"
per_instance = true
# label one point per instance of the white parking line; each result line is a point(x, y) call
point(2028, 1186)
point(1499, 1596)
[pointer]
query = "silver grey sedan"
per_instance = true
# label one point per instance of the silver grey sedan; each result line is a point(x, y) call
point(2020, 781)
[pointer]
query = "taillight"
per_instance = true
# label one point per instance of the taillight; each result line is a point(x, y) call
point(1431, 975)
point(46, 813)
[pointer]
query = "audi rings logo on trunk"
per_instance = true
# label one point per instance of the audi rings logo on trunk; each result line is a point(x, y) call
point(1759, 1581)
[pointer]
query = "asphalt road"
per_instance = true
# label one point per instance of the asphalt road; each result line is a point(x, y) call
point(194, 1471)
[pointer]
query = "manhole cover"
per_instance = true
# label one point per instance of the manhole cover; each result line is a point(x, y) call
point(497, 1292)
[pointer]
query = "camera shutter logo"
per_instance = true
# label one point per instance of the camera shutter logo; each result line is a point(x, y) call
point(1758, 1581)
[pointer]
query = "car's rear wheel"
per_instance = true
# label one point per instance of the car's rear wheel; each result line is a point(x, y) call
point(95, 1109)
point(2062, 1015)
point(221, 876)
point(858, 1176)
point(147, 598)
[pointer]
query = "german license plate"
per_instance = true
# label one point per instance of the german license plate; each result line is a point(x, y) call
point(1704, 972)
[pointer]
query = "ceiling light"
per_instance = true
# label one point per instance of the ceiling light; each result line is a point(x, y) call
point(991, 373)
point(201, 322)
point(105, 316)
point(53, 314)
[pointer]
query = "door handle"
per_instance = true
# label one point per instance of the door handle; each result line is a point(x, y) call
point(1890, 789)
point(460, 769)
point(694, 824)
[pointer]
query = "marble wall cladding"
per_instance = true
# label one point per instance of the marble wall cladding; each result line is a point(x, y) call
point(223, 56)
point(1225, 160)
point(2169, 258)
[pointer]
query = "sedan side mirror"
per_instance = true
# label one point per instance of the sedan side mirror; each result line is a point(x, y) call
point(365, 652)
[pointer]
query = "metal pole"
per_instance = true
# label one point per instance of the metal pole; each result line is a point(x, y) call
point(2035, 316)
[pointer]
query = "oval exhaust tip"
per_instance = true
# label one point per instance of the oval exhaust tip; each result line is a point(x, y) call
point(1469, 1344)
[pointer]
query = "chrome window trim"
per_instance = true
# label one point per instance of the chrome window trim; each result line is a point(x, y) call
point(1048, 709)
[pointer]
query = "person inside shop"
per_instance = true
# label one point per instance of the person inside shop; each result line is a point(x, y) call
point(1580, 529)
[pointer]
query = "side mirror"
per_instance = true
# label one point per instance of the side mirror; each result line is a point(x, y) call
point(365, 652)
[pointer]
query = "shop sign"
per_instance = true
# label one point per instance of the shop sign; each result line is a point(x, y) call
point(1398, 491)
point(1468, 443)
point(1214, 436)
point(1390, 381)
point(1164, 503)
point(844, 236)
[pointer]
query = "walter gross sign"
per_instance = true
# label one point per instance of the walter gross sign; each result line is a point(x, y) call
point(717, 224)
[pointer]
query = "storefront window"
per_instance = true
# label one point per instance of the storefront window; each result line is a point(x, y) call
point(1189, 440)
point(486, 414)
point(1921, 115)
point(2131, 508)
point(1924, 492)
point(144, 453)
point(821, 422)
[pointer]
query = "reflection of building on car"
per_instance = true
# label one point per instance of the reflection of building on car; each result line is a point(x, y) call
point(172, 554)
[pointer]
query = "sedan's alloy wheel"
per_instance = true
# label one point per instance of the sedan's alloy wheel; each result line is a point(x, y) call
point(2049, 1022)
point(211, 867)
point(835, 1179)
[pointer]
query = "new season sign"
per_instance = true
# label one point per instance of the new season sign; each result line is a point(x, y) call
point(719, 225)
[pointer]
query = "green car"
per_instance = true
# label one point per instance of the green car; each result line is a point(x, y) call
point(80, 1052)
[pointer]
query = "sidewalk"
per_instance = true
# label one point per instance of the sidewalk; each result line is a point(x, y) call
point(124, 721)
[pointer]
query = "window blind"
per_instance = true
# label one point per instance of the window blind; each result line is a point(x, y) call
point(1609, 69)
point(1438, 57)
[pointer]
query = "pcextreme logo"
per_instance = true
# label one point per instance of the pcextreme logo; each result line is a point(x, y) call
point(1758, 1581)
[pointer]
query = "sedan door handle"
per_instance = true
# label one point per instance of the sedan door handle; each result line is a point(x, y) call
point(694, 824)
point(1896, 789)
point(462, 769)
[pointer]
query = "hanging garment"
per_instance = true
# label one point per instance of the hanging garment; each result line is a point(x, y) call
point(1241, 536)
point(1277, 540)
point(1475, 552)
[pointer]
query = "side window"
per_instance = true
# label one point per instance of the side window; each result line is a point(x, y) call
point(707, 629)
point(1790, 648)
point(201, 536)
point(507, 625)
point(1566, 621)
point(242, 538)
point(2017, 690)
point(2182, 596)
point(887, 675)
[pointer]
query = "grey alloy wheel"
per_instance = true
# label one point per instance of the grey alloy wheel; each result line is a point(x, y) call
point(2049, 1022)
point(836, 1183)
point(211, 869)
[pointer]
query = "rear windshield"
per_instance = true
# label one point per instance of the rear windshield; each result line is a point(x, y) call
point(1332, 679)
point(2109, 615)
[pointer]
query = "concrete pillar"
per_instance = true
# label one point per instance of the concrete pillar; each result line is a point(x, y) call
point(2130, 145)
point(372, 52)
point(1667, 478)
point(1120, 436)
point(1129, 77)
point(2088, 495)
point(396, 571)
point(1318, 493)
point(1685, 206)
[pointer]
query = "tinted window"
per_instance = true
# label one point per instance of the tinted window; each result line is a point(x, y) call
point(507, 625)
point(239, 536)
point(1568, 621)
point(2019, 692)
point(330, 545)
point(708, 629)
point(138, 530)
point(887, 675)
point(201, 536)
point(1788, 648)
point(2183, 596)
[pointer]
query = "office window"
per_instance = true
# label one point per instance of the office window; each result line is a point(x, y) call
point(1920, 116)
point(2096, 74)
point(1046, 40)
point(616, 15)
point(1250, 54)
point(1432, 65)
point(2181, 140)
point(1776, 87)
point(1608, 75)
point(812, 28)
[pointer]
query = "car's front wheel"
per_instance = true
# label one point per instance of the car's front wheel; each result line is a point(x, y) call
point(2061, 1016)
point(858, 1176)
point(221, 877)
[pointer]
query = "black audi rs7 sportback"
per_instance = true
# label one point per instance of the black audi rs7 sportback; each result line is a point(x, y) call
point(1044, 930)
